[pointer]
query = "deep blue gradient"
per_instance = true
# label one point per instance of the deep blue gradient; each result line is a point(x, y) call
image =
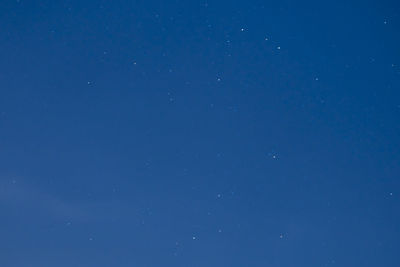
point(199, 133)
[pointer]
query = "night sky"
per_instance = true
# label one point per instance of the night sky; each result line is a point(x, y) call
point(199, 133)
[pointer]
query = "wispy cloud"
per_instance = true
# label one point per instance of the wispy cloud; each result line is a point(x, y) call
point(23, 199)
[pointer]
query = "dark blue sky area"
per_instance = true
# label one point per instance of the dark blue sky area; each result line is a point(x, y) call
point(199, 133)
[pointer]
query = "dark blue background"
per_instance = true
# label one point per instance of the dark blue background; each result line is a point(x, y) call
point(199, 133)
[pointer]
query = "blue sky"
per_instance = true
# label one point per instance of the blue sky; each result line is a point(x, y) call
point(199, 133)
